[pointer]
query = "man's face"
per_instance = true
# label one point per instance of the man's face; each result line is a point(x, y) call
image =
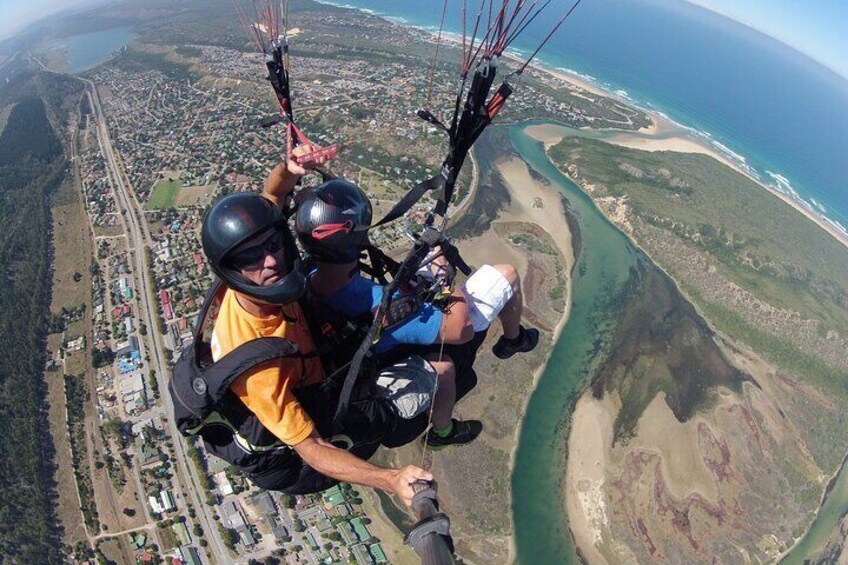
point(261, 260)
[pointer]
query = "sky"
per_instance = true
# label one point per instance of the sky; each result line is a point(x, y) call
point(17, 14)
point(814, 27)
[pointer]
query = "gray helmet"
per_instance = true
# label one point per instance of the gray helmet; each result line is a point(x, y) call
point(238, 218)
point(332, 221)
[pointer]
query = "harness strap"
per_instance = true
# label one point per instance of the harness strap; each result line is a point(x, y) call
point(410, 199)
point(217, 419)
point(405, 272)
point(380, 265)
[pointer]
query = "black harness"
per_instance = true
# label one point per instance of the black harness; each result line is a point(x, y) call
point(205, 406)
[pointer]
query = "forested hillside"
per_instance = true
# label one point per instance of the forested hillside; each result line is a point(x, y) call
point(31, 166)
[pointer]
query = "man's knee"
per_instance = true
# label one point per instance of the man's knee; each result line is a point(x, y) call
point(444, 366)
point(510, 274)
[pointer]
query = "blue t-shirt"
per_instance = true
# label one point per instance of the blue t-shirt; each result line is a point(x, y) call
point(362, 295)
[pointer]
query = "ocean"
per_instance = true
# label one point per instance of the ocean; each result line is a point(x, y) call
point(783, 116)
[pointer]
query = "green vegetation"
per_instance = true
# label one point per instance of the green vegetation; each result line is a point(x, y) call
point(200, 464)
point(785, 355)
point(76, 395)
point(228, 536)
point(762, 244)
point(188, 51)
point(31, 168)
point(131, 59)
point(164, 194)
point(704, 211)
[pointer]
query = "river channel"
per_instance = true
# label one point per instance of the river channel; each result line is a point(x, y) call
point(831, 512)
point(604, 261)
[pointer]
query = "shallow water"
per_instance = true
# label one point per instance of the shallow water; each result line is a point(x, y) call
point(602, 271)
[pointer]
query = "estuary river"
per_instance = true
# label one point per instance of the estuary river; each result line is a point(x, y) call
point(833, 508)
point(604, 261)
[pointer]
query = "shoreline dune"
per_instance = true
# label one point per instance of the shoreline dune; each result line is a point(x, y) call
point(667, 136)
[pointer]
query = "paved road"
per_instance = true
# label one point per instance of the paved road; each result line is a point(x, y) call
point(187, 483)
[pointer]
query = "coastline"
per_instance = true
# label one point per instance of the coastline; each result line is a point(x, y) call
point(666, 135)
point(663, 135)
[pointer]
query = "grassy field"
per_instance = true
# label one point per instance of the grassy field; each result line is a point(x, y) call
point(117, 550)
point(164, 194)
point(194, 195)
point(167, 538)
point(72, 255)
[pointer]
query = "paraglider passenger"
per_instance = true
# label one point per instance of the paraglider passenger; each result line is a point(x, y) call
point(331, 225)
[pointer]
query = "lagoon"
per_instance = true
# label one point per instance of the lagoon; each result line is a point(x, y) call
point(88, 50)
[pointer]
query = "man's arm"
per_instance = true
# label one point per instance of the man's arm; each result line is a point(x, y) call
point(456, 324)
point(283, 178)
point(343, 466)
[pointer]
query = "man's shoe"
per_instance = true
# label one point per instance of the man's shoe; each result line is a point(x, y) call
point(464, 431)
point(527, 340)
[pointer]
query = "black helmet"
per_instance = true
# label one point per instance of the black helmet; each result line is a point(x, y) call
point(238, 218)
point(332, 221)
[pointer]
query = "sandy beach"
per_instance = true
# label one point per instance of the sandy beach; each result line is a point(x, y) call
point(526, 193)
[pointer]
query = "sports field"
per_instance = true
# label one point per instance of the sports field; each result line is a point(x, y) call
point(164, 194)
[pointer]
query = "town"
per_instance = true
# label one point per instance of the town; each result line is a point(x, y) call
point(162, 134)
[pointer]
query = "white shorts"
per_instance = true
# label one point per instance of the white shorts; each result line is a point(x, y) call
point(486, 291)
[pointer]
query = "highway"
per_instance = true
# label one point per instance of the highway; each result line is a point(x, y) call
point(187, 484)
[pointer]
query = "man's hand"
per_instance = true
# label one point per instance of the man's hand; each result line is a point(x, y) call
point(283, 179)
point(344, 466)
point(403, 479)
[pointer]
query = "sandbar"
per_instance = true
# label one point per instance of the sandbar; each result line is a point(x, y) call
point(525, 191)
point(591, 433)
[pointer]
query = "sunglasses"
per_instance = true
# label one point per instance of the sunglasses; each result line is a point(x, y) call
point(252, 256)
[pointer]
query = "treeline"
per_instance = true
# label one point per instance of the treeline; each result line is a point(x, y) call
point(31, 168)
point(76, 396)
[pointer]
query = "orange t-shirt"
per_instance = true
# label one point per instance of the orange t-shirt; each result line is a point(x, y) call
point(267, 389)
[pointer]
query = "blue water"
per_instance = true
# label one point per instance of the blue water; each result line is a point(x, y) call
point(782, 111)
point(88, 50)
